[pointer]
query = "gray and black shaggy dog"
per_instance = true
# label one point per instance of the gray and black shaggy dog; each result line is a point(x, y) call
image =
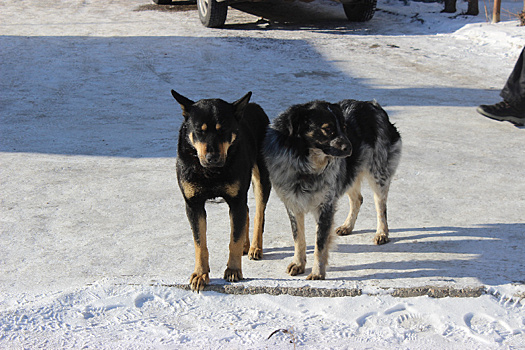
point(316, 152)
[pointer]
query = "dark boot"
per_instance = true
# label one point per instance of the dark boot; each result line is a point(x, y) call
point(503, 111)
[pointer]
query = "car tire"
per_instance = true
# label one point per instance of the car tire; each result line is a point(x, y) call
point(212, 13)
point(360, 12)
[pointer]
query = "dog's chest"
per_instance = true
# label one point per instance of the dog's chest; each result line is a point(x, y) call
point(197, 182)
point(305, 191)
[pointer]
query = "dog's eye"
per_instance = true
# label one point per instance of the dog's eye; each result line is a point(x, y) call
point(201, 130)
point(328, 130)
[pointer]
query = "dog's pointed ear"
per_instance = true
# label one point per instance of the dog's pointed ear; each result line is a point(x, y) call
point(185, 103)
point(240, 105)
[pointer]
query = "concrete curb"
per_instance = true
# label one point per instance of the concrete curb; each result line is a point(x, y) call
point(313, 292)
point(517, 300)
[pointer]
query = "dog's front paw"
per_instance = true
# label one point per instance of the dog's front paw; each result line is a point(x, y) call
point(199, 281)
point(381, 238)
point(255, 254)
point(295, 269)
point(313, 276)
point(343, 231)
point(233, 275)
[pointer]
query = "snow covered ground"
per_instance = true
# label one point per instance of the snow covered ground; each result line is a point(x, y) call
point(95, 248)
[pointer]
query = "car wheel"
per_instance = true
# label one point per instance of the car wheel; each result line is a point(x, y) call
point(212, 13)
point(360, 12)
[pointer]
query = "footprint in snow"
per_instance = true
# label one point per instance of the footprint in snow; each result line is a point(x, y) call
point(487, 328)
point(141, 299)
point(414, 322)
point(361, 320)
point(370, 316)
point(394, 309)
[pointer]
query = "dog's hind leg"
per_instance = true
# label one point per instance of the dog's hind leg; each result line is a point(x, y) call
point(261, 188)
point(356, 199)
point(380, 197)
point(299, 259)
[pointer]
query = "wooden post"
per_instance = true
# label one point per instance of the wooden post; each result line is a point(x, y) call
point(522, 15)
point(497, 10)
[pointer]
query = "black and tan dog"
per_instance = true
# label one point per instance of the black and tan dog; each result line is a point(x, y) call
point(316, 152)
point(219, 152)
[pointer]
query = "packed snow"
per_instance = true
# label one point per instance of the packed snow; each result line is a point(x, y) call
point(95, 248)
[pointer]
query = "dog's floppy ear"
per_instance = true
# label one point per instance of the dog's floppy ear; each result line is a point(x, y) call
point(240, 105)
point(291, 120)
point(184, 102)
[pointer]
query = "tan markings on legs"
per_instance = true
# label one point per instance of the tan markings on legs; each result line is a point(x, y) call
point(356, 199)
point(232, 190)
point(189, 189)
point(246, 247)
point(256, 249)
point(380, 198)
point(233, 271)
point(299, 259)
point(320, 260)
point(200, 276)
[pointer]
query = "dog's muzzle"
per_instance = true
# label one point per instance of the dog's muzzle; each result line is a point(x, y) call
point(212, 160)
point(340, 147)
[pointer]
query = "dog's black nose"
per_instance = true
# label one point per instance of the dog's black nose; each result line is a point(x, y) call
point(341, 144)
point(213, 158)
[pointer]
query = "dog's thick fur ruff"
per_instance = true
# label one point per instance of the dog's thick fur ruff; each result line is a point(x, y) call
point(316, 152)
point(219, 152)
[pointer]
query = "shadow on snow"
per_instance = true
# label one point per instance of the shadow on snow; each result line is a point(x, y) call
point(102, 96)
point(491, 253)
